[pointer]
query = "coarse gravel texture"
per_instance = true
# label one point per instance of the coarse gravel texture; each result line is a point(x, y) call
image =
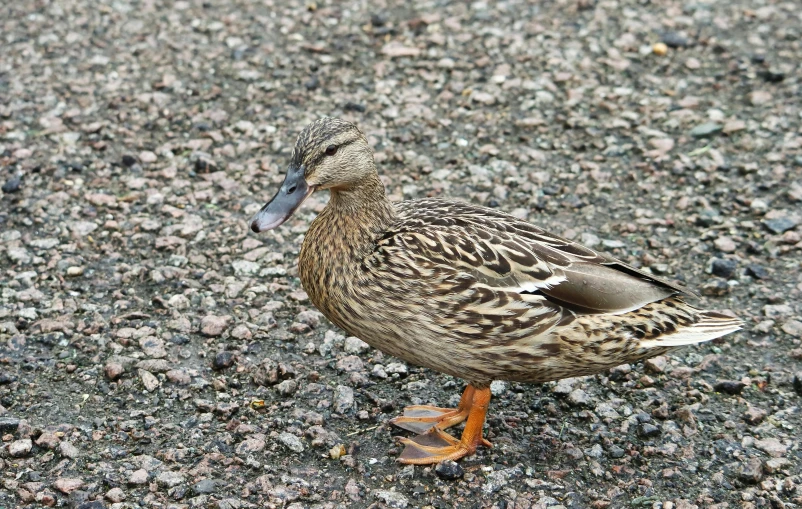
point(155, 353)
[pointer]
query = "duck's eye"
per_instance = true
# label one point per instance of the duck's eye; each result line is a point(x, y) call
point(331, 150)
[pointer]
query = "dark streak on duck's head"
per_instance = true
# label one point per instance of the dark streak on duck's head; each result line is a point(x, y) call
point(329, 154)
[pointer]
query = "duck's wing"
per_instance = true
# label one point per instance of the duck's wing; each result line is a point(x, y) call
point(502, 253)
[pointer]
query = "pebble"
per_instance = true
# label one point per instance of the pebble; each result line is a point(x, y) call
point(343, 399)
point(578, 397)
point(771, 446)
point(780, 224)
point(722, 267)
point(449, 470)
point(20, 448)
point(8, 424)
point(241, 332)
point(68, 450)
point(792, 328)
point(656, 364)
point(67, 485)
point(706, 130)
point(798, 382)
point(205, 486)
point(48, 440)
point(393, 499)
point(113, 370)
point(725, 244)
point(754, 415)
point(12, 185)
point(291, 442)
point(354, 345)
point(287, 387)
point(648, 430)
point(138, 477)
point(75, 271)
point(213, 325)
point(223, 360)
point(674, 40)
point(170, 479)
point(149, 380)
point(729, 387)
point(757, 271)
point(115, 495)
point(751, 471)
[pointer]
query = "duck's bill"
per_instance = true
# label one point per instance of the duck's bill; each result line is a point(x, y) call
point(292, 194)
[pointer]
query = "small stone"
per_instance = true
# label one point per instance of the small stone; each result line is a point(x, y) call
point(449, 470)
point(393, 499)
point(759, 97)
point(578, 397)
point(772, 447)
point(138, 477)
point(725, 244)
point(20, 448)
point(798, 382)
point(113, 370)
point(8, 424)
point(756, 271)
point(67, 485)
point(146, 156)
point(205, 486)
point(287, 387)
point(715, 288)
point(660, 49)
point(723, 267)
point(706, 130)
point(68, 450)
point(498, 388)
point(617, 452)
point(48, 440)
point(648, 430)
point(128, 160)
point(754, 415)
point(12, 185)
point(170, 479)
point(729, 387)
point(223, 360)
point(149, 380)
point(674, 40)
point(291, 442)
point(350, 363)
point(774, 465)
point(75, 271)
point(241, 331)
point(115, 495)
point(354, 345)
point(792, 328)
point(656, 364)
point(733, 126)
point(751, 472)
point(343, 399)
point(780, 224)
point(212, 325)
point(397, 368)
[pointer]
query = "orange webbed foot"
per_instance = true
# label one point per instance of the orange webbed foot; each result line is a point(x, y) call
point(434, 445)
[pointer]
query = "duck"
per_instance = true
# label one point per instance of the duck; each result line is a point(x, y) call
point(467, 290)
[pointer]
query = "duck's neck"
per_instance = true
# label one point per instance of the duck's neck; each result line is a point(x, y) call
point(354, 218)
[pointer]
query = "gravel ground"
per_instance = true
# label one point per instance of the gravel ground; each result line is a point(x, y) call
point(155, 353)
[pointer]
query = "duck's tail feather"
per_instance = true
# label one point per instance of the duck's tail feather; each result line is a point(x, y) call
point(711, 326)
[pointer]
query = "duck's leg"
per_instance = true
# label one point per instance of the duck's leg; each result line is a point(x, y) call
point(421, 418)
point(436, 445)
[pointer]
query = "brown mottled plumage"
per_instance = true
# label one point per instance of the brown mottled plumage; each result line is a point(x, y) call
point(467, 290)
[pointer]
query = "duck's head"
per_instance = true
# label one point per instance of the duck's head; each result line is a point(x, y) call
point(329, 154)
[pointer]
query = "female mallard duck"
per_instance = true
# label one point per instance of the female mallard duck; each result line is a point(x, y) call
point(467, 290)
